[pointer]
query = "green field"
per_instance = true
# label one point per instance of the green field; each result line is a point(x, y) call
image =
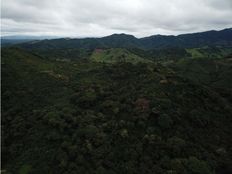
point(116, 55)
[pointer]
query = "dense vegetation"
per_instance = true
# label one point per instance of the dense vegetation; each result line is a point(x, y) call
point(126, 116)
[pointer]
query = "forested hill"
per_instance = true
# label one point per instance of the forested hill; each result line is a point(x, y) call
point(209, 38)
point(89, 117)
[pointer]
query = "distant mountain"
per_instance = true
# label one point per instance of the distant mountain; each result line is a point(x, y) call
point(120, 40)
point(11, 40)
point(208, 38)
point(27, 37)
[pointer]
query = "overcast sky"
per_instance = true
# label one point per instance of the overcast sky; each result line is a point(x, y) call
point(94, 18)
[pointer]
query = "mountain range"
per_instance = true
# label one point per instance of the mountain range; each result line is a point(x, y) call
point(208, 38)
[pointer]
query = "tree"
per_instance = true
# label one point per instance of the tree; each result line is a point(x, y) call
point(196, 166)
point(165, 121)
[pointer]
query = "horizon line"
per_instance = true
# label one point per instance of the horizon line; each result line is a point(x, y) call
point(44, 37)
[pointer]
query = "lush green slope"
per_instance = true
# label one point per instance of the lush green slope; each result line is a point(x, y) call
point(89, 117)
point(209, 52)
point(116, 55)
point(214, 73)
point(207, 71)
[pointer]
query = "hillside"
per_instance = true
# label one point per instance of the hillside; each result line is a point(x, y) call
point(89, 117)
point(209, 52)
point(116, 55)
point(215, 73)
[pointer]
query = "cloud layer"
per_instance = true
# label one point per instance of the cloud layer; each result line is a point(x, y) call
point(94, 18)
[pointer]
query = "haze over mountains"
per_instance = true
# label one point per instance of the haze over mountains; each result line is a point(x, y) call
point(209, 38)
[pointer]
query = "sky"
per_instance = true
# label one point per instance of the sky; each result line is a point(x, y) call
point(96, 18)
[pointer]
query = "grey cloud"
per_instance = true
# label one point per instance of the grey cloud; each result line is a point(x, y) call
point(89, 18)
